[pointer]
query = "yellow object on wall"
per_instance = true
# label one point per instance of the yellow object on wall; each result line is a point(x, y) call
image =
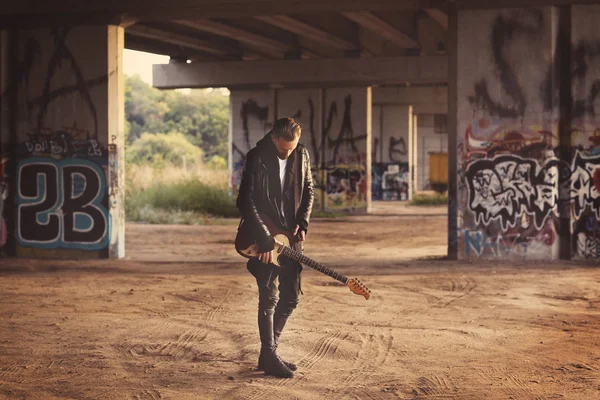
point(438, 167)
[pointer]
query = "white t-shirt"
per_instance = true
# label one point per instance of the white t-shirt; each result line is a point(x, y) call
point(282, 165)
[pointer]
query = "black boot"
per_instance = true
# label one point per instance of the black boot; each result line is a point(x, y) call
point(279, 322)
point(268, 359)
point(278, 325)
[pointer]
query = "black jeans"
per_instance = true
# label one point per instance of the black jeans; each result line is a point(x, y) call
point(278, 287)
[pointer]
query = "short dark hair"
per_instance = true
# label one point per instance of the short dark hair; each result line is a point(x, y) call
point(286, 128)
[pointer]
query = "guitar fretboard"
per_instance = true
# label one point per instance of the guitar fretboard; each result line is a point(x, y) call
point(297, 256)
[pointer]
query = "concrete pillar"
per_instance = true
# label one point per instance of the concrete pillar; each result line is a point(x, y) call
point(252, 116)
point(585, 132)
point(411, 154)
point(304, 105)
point(507, 166)
point(62, 123)
point(347, 132)
point(416, 158)
point(390, 151)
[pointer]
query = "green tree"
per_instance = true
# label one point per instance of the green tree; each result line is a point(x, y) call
point(202, 116)
point(160, 148)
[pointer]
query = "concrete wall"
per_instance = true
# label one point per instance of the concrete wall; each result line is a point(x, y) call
point(335, 125)
point(390, 173)
point(507, 169)
point(62, 120)
point(391, 152)
point(585, 166)
point(509, 185)
point(429, 139)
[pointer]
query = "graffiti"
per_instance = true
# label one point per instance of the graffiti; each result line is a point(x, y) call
point(3, 197)
point(113, 170)
point(506, 186)
point(61, 54)
point(346, 188)
point(60, 144)
point(585, 183)
point(251, 108)
point(588, 247)
point(480, 243)
point(522, 23)
point(389, 181)
point(397, 147)
point(586, 235)
point(61, 204)
point(346, 137)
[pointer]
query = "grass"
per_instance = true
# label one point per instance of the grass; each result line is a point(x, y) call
point(173, 195)
point(436, 199)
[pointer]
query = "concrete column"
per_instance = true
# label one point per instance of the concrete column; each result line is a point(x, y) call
point(507, 166)
point(304, 105)
point(252, 116)
point(63, 105)
point(411, 154)
point(415, 151)
point(390, 151)
point(585, 133)
point(347, 131)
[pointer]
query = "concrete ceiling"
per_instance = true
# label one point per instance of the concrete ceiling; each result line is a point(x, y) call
point(356, 34)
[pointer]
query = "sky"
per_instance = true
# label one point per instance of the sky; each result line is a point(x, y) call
point(139, 62)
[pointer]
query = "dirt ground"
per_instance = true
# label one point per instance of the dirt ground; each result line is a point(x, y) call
point(177, 320)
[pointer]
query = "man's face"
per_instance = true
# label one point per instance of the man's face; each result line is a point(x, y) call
point(284, 148)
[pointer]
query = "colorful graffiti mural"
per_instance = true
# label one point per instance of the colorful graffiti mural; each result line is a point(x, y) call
point(389, 181)
point(346, 188)
point(510, 178)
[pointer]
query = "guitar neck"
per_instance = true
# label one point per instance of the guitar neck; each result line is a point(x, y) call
point(297, 256)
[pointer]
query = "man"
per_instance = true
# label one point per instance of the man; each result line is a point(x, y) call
point(277, 183)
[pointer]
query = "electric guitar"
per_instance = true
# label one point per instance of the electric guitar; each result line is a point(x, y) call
point(247, 247)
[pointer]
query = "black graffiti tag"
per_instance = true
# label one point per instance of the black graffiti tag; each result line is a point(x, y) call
point(507, 186)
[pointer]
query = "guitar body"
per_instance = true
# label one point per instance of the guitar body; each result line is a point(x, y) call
point(246, 246)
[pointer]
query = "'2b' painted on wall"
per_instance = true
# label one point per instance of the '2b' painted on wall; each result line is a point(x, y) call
point(60, 204)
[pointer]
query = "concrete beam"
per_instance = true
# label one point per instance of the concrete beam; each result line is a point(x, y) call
point(308, 31)
point(139, 43)
point(240, 35)
point(438, 16)
point(303, 73)
point(373, 23)
point(424, 99)
point(57, 12)
point(178, 39)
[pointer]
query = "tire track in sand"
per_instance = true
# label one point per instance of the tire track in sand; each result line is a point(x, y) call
point(177, 349)
point(220, 307)
point(373, 353)
point(437, 386)
point(326, 346)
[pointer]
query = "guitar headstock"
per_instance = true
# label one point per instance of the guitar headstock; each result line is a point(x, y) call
point(357, 287)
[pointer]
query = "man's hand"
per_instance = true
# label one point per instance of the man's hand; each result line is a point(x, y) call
point(302, 236)
point(267, 257)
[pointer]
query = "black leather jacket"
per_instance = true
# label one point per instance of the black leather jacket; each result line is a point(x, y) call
point(257, 194)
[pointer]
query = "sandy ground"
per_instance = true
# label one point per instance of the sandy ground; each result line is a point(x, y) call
point(177, 320)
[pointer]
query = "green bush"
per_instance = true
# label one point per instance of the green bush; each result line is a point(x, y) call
point(217, 162)
point(186, 196)
point(436, 199)
point(161, 149)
